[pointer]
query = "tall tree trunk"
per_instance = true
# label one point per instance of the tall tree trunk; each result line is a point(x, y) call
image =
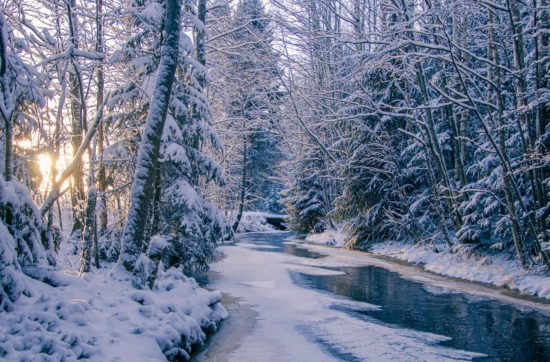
point(142, 187)
point(529, 129)
point(243, 186)
point(201, 39)
point(516, 234)
point(77, 112)
point(541, 22)
point(90, 231)
point(7, 102)
point(359, 24)
point(8, 149)
point(101, 181)
point(55, 148)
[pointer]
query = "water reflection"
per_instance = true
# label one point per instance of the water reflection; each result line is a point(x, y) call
point(499, 330)
point(490, 327)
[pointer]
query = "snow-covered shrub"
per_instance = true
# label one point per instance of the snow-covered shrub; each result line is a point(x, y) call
point(254, 222)
point(109, 245)
point(20, 239)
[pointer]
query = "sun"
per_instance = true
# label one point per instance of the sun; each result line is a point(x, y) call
point(44, 163)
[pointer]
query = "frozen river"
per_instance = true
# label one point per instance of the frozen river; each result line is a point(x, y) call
point(294, 302)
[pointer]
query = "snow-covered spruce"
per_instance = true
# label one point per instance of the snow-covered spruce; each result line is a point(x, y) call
point(178, 209)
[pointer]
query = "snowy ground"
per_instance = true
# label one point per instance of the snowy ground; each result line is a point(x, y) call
point(299, 324)
point(495, 270)
point(332, 237)
point(103, 319)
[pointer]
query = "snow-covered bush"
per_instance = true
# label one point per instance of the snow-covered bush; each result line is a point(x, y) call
point(253, 222)
point(20, 239)
point(102, 318)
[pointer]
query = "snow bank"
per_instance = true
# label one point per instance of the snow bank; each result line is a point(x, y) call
point(333, 237)
point(493, 269)
point(254, 222)
point(103, 319)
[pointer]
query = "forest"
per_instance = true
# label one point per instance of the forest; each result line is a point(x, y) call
point(138, 135)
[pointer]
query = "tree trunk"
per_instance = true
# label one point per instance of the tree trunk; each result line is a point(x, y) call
point(77, 112)
point(8, 150)
point(243, 188)
point(90, 231)
point(101, 182)
point(201, 39)
point(147, 163)
point(542, 47)
point(533, 175)
point(7, 102)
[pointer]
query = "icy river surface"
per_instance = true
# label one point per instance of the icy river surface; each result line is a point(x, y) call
point(294, 302)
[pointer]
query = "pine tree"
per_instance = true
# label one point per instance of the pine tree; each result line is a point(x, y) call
point(177, 211)
point(304, 198)
point(133, 237)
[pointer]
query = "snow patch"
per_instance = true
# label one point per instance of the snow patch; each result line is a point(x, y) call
point(334, 237)
point(254, 222)
point(315, 271)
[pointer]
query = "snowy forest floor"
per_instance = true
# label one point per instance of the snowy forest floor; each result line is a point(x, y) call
point(102, 317)
point(461, 263)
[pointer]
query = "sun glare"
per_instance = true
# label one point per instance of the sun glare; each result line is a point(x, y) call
point(45, 163)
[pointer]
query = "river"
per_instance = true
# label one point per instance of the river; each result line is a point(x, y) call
point(293, 302)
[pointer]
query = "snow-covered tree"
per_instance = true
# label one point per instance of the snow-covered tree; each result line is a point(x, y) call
point(248, 83)
point(175, 208)
point(21, 232)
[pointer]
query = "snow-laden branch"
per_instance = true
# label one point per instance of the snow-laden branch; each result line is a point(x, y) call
point(55, 192)
point(73, 52)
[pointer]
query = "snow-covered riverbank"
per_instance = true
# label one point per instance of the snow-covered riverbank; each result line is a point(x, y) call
point(102, 318)
point(491, 269)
